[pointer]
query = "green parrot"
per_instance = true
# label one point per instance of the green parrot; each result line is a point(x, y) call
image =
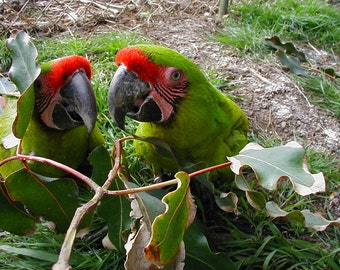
point(61, 126)
point(175, 103)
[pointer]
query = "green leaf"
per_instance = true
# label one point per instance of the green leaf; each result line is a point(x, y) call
point(23, 71)
point(198, 254)
point(146, 206)
point(56, 201)
point(25, 107)
point(7, 88)
point(310, 220)
point(7, 138)
point(227, 202)
point(276, 212)
point(291, 63)
point(168, 229)
point(274, 164)
point(317, 222)
point(116, 212)
point(289, 47)
point(101, 164)
point(255, 198)
point(331, 72)
point(114, 209)
point(13, 217)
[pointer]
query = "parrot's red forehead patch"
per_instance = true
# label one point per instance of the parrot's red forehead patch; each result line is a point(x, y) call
point(135, 60)
point(64, 67)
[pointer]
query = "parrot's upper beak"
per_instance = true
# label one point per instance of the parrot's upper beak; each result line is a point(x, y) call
point(129, 95)
point(77, 105)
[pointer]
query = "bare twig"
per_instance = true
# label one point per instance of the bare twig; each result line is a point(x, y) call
point(66, 249)
point(93, 185)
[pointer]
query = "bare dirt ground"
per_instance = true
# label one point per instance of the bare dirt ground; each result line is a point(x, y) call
point(274, 103)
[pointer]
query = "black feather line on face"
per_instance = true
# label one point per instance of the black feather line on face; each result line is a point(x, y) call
point(172, 95)
point(42, 101)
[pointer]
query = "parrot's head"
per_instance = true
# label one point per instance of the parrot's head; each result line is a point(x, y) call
point(150, 83)
point(64, 97)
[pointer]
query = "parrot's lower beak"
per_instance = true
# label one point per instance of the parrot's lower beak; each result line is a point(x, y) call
point(129, 95)
point(77, 105)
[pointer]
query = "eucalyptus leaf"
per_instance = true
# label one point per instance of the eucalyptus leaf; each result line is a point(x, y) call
point(24, 70)
point(291, 63)
point(25, 106)
point(331, 72)
point(6, 119)
point(56, 201)
point(310, 220)
point(255, 198)
point(318, 222)
point(274, 164)
point(13, 216)
point(168, 229)
point(145, 207)
point(101, 164)
point(23, 73)
point(114, 209)
point(227, 202)
point(7, 88)
point(199, 254)
point(288, 47)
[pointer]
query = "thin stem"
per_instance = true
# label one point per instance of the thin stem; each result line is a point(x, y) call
point(100, 191)
point(163, 184)
point(93, 185)
point(141, 189)
point(209, 169)
point(66, 249)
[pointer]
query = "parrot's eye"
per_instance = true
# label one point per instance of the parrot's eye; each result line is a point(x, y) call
point(176, 75)
point(37, 85)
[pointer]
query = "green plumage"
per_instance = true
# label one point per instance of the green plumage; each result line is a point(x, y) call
point(70, 147)
point(27, 191)
point(207, 127)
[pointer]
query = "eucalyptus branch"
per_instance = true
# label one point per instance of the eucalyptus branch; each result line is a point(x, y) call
point(165, 183)
point(100, 192)
point(141, 189)
point(66, 249)
point(209, 169)
point(93, 185)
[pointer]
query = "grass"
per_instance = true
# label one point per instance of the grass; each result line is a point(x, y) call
point(304, 21)
point(325, 92)
point(254, 241)
point(41, 252)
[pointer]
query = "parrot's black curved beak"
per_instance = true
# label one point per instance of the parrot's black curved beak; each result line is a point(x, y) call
point(129, 95)
point(77, 105)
